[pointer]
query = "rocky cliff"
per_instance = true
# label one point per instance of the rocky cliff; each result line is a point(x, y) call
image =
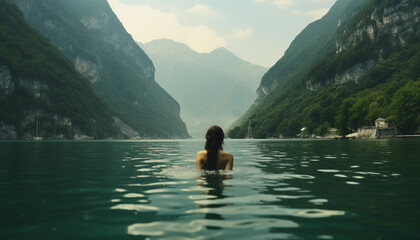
point(307, 48)
point(90, 34)
point(383, 27)
point(395, 22)
point(41, 91)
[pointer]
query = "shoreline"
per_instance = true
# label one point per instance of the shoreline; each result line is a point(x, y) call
point(408, 136)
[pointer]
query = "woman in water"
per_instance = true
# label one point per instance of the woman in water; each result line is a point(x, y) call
point(214, 158)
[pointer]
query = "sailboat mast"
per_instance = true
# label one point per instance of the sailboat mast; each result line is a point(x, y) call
point(37, 124)
point(249, 129)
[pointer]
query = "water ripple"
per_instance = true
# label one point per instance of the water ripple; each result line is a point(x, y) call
point(161, 228)
point(272, 210)
point(156, 184)
point(133, 195)
point(136, 207)
point(278, 190)
point(328, 170)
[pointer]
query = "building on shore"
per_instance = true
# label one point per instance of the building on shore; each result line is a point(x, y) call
point(381, 123)
point(332, 133)
point(382, 129)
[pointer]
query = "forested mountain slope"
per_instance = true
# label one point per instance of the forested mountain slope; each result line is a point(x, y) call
point(212, 88)
point(369, 70)
point(38, 81)
point(312, 44)
point(90, 34)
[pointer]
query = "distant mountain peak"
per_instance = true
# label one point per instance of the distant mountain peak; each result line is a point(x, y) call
point(212, 88)
point(167, 41)
point(221, 50)
point(169, 48)
point(167, 44)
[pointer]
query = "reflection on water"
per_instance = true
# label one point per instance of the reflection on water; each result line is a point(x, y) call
point(281, 189)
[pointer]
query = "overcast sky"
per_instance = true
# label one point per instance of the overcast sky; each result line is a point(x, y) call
point(258, 31)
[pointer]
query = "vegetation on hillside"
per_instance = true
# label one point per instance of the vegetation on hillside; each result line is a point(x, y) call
point(389, 90)
point(125, 74)
point(315, 42)
point(31, 57)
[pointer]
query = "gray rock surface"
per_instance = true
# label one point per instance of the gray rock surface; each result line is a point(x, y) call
point(7, 86)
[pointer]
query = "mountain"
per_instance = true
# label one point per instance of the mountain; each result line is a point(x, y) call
point(37, 82)
point(90, 34)
point(314, 42)
point(212, 88)
point(358, 63)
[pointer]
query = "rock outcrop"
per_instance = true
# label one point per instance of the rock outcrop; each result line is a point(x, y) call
point(390, 25)
point(7, 87)
point(396, 22)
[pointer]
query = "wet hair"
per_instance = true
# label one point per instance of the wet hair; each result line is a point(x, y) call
point(214, 142)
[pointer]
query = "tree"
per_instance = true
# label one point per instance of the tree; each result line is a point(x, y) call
point(406, 107)
point(342, 118)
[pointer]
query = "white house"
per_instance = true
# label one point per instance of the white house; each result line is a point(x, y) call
point(381, 123)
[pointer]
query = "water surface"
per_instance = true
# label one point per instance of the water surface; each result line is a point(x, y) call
point(279, 189)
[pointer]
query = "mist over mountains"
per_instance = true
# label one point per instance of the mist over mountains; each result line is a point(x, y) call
point(212, 88)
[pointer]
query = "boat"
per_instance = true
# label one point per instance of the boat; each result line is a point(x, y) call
point(37, 137)
point(249, 135)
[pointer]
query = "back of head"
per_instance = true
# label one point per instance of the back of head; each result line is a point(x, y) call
point(214, 142)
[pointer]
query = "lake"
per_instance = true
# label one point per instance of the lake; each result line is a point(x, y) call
point(279, 189)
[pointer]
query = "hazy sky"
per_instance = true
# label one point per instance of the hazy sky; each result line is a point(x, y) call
point(258, 31)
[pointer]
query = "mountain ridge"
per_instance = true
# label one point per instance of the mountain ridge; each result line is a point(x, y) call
point(308, 45)
point(91, 35)
point(212, 88)
point(40, 90)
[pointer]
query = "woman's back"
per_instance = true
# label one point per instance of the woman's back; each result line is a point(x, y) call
point(224, 161)
point(214, 158)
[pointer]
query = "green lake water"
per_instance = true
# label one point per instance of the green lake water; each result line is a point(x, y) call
point(279, 189)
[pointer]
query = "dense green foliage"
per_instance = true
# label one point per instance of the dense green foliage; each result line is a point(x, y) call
point(31, 57)
point(390, 90)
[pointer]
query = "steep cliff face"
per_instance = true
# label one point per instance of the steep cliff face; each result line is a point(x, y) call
point(378, 30)
point(391, 23)
point(353, 73)
point(41, 93)
point(395, 22)
point(314, 42)
point(90, 34)
point(7, 86)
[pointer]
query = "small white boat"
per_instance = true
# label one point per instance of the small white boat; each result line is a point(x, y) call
point(37, 138)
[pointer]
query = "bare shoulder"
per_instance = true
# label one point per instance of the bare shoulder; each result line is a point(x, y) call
point(227, 155)
point(199, 158)
point(201, 153)
point(228, 160)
